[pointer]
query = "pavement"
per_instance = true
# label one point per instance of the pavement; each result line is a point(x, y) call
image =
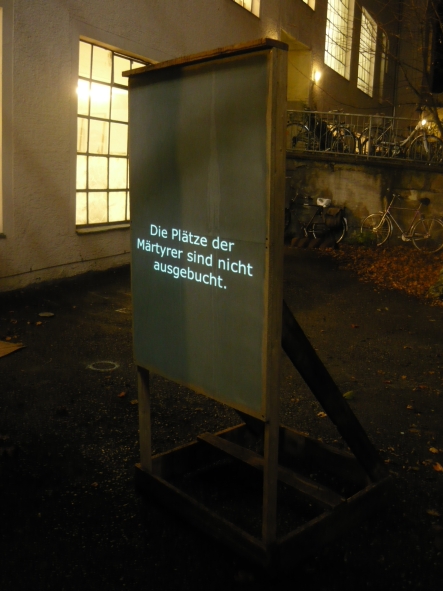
point(70, 516)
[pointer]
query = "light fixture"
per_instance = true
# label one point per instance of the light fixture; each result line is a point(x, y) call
point(317, 76)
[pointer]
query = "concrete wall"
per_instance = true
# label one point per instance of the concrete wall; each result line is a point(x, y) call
point(39, 240)
point(362, 188)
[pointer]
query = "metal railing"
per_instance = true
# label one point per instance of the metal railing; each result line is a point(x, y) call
point(364, 136)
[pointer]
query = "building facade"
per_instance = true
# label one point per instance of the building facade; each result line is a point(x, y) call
point(64, 199)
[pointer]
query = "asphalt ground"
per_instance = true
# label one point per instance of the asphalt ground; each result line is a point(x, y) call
point(70, 516)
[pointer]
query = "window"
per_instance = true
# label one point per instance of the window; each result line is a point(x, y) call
point(339, 35)
point(366, 58)
point(102, 182)
point(310, 3)
point(251, 5)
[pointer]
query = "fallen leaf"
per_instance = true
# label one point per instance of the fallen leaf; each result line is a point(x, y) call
point(349, 395)
point(438, 467)
point(355, 326)
point(38, 323)
point(121, 395)
point(433, 450)
point(407, 347)
point(322, 414)
point(433, 513)
point(387, 381)
point(410, 407)
point(94, 484)
point(134, 401)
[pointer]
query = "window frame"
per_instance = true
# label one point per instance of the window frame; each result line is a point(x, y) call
point(252, 6)
point(367, 53)
point(338, 41)
point(310, 3)
point(86, 155)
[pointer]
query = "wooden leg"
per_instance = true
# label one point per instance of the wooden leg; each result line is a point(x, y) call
point(270, 478)
point(144, 414)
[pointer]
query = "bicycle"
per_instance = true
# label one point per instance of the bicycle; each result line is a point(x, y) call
point(317, 134)
point(381, 140)
point(299, 137)
point(325, 220)
point(426, 234)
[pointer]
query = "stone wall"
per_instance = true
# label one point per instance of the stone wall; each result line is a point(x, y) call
point(361, 186)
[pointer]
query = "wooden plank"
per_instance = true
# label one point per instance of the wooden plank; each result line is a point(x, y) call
point(302, 354)
point(276, 125)
point(190, 456)
point(309, 538)
point(200, 516)
point(306, 486)
point(205, 56)
point(144, 418)
point(297, 449)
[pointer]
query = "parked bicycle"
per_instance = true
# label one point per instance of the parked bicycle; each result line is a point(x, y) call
point(316, 133)
point(426, 234)
point(382, 140)
point(324, 221)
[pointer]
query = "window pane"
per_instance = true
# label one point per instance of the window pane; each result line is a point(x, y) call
point(83, 97)
point(98, 137)
point(100, 100)
point(98, 208)
point(121, 64)
point(80, 209)
point(117, 206)
point(128, 213)
point(119, 111)
point(119, 139)
point(101, 64)
point(84, 60)
point(117, 173)
point(82, 134)
point(81, 172)
point(97, 172)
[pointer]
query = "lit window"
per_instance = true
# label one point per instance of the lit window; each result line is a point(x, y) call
point(366, 58)
point(339, 35)
point(102, 183)
point(251, 5)
point(310, 3)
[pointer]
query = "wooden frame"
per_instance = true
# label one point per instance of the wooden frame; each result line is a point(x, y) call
point(279, 455)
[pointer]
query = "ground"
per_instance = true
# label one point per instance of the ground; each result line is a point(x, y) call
point(71, 517)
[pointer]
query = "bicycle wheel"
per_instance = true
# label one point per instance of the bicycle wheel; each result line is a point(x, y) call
point(375, 230)
point(297, 137)
point(343, 141)
point(427, 235)
point(429, 151)
point(340, 232)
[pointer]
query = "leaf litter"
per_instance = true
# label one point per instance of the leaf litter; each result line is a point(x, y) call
point(403, 269)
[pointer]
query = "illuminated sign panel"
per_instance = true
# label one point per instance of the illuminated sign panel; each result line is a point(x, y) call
point(200, 203)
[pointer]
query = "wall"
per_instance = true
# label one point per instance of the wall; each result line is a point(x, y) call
point(40, 241)
point(362, 187)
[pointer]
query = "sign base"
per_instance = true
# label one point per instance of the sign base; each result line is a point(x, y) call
point(322, 492)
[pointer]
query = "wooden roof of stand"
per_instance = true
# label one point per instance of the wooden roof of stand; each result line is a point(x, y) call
point(196, 58)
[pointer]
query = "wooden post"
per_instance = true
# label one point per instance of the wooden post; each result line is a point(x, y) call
point(144, 414)
point(276, 155)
